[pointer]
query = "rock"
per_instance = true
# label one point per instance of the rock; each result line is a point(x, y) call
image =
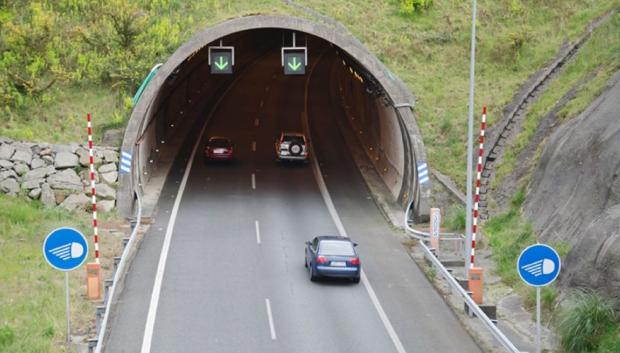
point(75, 201)
point(32, 184)
point(47, 196)
point(65, 148)
point(34, 193)
point(48, 159)
point(110, 178)
point(113, 137)
point(9, 186)
point(65, 160)
point(106, 205)
point(21, 169)
point(104, 191)
point(6, 151)
point(6, 164)
point(65, 180)
point(85, 157)
point(59, 196)
point(47, 151)
point(22, 154)
point(106, 168)
point(39, 173)
point(8, 174)
point(110, 156)
point(5, 140)
point(37, 163)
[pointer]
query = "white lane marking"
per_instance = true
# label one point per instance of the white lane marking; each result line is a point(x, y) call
point(272, 328)
point(257, 226)
point(256, 122)
point(267, 88)
point(161, 267)
point(261, 103)
point(253, 146)
point(253, 181)
point(334, 214)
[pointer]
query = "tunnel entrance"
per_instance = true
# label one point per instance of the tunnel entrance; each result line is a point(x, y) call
point(371, 106)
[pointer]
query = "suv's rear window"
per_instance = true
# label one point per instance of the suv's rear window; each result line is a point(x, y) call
point(293, 139)
point(336, 247)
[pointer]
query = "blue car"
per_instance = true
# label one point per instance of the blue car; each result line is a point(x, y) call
point(332, 256)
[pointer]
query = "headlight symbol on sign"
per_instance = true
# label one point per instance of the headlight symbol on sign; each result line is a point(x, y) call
point(68, 251)
point(540, 267)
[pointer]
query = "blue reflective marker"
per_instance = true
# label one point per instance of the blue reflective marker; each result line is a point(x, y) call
point(65, 249)
point(538, 265)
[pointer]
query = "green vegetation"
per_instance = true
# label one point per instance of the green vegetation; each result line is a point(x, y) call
point(32, 309)
point(508, 235)
point(95, 54)
point(455, 218)
point(588, 324)
point(596, 62)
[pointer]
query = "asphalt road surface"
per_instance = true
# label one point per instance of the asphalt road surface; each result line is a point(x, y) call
point(234, 279)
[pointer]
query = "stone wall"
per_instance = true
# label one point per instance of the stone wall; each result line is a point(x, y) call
point(58, 175)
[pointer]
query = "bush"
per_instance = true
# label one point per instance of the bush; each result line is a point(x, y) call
point(409, 7)
point(585, 322)
point(7, 336)
point(455, 218)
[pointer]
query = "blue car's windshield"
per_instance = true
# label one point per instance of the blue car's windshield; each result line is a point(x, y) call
point(336, 247)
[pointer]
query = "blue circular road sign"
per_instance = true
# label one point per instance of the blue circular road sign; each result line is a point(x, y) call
point(538, 265)
point(65, 249)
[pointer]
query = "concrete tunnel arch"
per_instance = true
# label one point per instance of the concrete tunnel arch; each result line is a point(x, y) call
point(140, 138)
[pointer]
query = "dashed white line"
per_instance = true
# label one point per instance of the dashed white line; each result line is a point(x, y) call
point(267, 88)
point(257, 226)
point(270, 317)
point(253, 181)
point(262, 103)
point(253, 146)
point(256, 122)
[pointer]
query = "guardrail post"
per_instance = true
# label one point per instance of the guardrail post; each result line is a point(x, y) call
point(100, 310)
point(117, 260)
point(92, 344)
point(125, 242)
point(106, 289)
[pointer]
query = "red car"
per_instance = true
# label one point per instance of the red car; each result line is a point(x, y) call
point(219, 149)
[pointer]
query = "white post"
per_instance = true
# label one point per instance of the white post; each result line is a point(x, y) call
point(537, 319)
point(67, 304)
point(470, 141)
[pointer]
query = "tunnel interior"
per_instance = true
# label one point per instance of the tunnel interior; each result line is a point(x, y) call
point(366, 114)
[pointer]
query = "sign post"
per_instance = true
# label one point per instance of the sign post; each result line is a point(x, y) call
point(538, 266)
point(65, 249)
point(294, 59)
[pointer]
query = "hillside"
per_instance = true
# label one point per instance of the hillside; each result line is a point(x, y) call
point(64, 58)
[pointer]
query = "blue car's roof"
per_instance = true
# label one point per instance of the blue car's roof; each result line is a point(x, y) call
point(333, 237)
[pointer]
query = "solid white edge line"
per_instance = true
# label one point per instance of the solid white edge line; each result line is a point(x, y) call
point(161, 267)
point(272, 328)
point(257, 226)
point(334, 214)
point(253, 181)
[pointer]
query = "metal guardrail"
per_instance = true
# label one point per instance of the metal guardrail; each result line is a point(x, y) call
point(479, 313)
point(108, 299)
point(418, 234)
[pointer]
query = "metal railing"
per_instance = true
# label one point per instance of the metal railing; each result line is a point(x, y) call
point(479, 313)
point(103, 313)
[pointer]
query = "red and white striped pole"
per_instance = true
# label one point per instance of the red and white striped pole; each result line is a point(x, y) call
point(93, 192)
point(93, 270)
point(483, 126)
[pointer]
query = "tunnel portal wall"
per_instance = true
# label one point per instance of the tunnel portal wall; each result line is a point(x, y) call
point(166, 103)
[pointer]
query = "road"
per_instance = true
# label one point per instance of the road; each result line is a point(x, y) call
point(233, 278)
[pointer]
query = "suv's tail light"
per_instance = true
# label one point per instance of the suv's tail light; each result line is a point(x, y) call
point(355, 261)
point(321, 260)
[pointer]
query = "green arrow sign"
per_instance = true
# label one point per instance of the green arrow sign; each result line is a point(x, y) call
point(294, 64)
point(221, 64)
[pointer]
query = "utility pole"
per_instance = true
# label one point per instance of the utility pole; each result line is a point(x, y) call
point(470, 142)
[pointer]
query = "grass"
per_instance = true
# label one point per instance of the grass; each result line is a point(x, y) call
point(598, 60)
point(428, 49)
point(455, 218)
point(32, 309)
point(588, 324)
